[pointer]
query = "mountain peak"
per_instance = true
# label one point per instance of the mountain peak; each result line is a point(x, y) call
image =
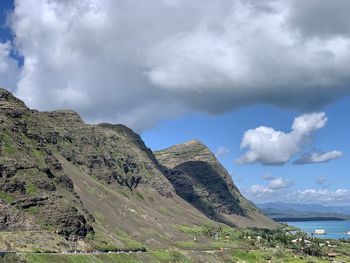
point(10, 104)
point(192, 150)
point(193, 142)
point(64, 117)
point(4, 93)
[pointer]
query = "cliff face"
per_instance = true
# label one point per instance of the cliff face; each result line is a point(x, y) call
point(200, 179)
point(101, 184)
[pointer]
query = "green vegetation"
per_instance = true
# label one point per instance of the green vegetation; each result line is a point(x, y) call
point(39, 157)
point(212, 231)
point(33, 241)
point(102, 242)
point(130, 243)
point(192, 229)
point(59, 258)
point(8, 197)
point(245, 255)
point(169, 256)
point(8, 145)
point(99, 216)
point(33, 210)
point(31, 189)
point(10, 258)
point(32, 172)
point(248, 245)
point(188, 245)
point(263, 245)
point(139, 195)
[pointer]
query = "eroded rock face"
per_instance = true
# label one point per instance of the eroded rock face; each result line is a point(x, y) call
point(112, 153)
point(12, 219)
point(200, 179)
point(33, 183)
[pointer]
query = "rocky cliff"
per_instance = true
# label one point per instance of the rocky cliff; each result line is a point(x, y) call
point(200, 179)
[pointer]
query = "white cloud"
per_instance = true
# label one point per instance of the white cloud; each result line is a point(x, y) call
point(139, 62)
point(279, 183)
point(323, 195)
point(8, 67)
point(260, 190)
point(318, 157)
point(221, 151)
point(263, 193)
point(270, 147)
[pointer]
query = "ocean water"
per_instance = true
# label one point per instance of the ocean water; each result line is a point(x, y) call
point(334, 229)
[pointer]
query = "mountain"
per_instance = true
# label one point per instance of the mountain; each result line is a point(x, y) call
point(280, 210)
point(63, 181)
point(199, 178)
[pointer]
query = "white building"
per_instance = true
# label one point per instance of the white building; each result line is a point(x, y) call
point(320, 232)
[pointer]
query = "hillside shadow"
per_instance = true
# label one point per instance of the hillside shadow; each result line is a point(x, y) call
point(200, 184)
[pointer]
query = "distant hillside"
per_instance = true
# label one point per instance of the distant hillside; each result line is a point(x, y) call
point(284, 211)
point(200, 179)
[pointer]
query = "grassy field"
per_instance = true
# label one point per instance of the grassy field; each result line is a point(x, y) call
point(206, 243)
point(60, 258)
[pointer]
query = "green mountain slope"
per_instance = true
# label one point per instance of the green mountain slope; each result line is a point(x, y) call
point(65, 184)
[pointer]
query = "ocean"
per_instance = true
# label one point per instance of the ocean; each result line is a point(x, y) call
point(334, 229)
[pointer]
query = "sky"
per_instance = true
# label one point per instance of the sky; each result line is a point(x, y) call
point(264, 84)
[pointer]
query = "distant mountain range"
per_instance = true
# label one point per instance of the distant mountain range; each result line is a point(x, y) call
point(288, 211)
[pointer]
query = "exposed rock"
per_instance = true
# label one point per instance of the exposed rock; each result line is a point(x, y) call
point(200, 179)
point(30, 202)
point(11, 186)
point(12, 219)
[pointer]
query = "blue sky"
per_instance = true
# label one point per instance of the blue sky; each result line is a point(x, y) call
point(177, 70)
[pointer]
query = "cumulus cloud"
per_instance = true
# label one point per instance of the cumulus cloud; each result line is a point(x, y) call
point(221, 151)
point(258, 190)
point(275, 186)
point(270, 147)
point(318, 157)
point(139, 62)
point(279, 183)
point(323, 195)
point(304, 14)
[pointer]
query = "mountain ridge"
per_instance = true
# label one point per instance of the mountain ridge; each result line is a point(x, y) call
point(99, 184)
